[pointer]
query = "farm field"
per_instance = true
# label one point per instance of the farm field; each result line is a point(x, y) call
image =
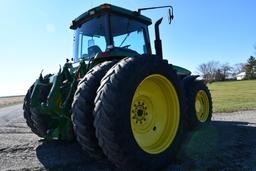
point(233, 96)
point(10, 100)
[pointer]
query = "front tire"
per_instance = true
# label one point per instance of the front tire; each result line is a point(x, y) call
point(33, 119)
point(139, 113)
point(199, 105)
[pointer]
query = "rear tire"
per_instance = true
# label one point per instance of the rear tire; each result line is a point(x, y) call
point(83, 106)
point(199, 105)
point(118, 97)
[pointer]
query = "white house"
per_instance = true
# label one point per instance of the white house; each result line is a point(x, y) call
point(241, 76)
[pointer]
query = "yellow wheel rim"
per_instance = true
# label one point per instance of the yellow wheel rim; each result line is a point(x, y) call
point(155, 114)
point(202, 106)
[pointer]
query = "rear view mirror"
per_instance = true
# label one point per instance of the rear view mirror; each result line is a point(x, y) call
point(170, 11)
point(170, 15)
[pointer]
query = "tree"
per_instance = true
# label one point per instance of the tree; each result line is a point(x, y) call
point(203, 71)
point(225, 69)
point(208, 70)
point(238, 68)
point(250, 68)
point(219, 75)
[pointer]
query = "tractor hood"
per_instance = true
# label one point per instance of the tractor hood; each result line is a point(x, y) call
point(181, 71)
point(117, 52)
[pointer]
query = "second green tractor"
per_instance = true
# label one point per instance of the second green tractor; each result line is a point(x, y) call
point(116, 98)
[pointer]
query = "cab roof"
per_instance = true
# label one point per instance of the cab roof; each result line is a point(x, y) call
point(108, 8)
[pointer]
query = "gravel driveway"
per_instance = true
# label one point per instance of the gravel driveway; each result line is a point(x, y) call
point(229, 142)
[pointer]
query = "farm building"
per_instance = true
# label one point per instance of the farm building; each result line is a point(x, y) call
point(241, 76)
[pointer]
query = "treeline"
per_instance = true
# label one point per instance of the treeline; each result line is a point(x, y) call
point(250, 68)
point(215, 71)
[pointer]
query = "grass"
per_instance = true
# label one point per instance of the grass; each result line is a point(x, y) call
point(233, 96)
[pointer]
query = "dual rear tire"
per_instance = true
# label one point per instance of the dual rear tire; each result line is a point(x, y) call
point(137, 114)
point(83, 106)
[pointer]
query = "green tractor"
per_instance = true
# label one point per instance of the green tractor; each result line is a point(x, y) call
point(116, 98)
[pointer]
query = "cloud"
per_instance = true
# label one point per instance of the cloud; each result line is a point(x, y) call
point(50, 28)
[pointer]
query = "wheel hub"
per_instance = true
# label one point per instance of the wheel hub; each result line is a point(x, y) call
point(202, 106)
point(139, 112)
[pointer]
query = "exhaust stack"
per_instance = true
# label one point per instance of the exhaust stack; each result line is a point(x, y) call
point(158, 41)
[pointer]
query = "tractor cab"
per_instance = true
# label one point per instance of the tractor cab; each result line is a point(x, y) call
point(107, 31)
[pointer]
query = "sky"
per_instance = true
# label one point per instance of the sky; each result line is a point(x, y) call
point(35, 34)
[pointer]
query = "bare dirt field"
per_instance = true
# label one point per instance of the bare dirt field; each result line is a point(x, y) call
point(11, 100)
point(228, 143)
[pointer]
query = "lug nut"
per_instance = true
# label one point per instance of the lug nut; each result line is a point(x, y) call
point(154, 128)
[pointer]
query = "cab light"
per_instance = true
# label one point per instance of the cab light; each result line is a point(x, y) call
point(92, 12)
point(105, 6)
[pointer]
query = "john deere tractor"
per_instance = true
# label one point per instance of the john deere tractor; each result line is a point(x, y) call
point(116, 98)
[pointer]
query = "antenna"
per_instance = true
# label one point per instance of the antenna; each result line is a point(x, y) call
point(91, 3)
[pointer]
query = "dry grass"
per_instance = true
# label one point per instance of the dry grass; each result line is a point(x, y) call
point(8, 101)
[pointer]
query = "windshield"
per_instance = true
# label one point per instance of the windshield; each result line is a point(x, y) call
point(90, 39)
point(104, 32)
point(128, 33)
